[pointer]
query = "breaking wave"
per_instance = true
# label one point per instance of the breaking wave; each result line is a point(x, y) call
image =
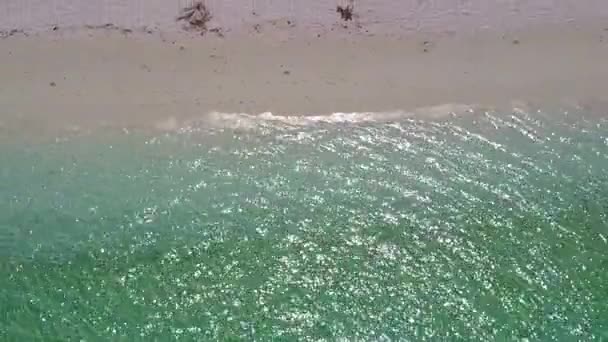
point(247, 121)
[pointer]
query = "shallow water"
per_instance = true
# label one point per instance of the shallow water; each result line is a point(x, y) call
point(491, 227)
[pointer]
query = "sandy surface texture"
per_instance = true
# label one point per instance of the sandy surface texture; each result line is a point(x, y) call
point(370, 16)
point(106, 77)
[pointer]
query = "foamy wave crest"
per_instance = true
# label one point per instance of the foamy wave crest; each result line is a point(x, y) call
point(243, 120)
point(251, 121)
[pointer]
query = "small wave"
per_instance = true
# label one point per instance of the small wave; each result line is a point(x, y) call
point(252, 121)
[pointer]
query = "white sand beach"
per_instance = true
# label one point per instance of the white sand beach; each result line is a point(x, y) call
point(130, 75)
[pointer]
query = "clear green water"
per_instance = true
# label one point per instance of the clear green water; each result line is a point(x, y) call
point(493, 229)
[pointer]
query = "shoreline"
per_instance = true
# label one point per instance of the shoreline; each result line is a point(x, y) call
point(105, 78)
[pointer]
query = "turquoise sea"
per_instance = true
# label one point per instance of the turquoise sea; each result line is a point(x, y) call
point(490, 227)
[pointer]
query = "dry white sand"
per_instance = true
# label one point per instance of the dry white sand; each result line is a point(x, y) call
point(84, 78)
point(374, 16)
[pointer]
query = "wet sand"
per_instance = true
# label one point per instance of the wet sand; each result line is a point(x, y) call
point(86, 78)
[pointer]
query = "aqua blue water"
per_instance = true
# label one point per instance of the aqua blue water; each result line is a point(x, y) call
point(487, 228)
